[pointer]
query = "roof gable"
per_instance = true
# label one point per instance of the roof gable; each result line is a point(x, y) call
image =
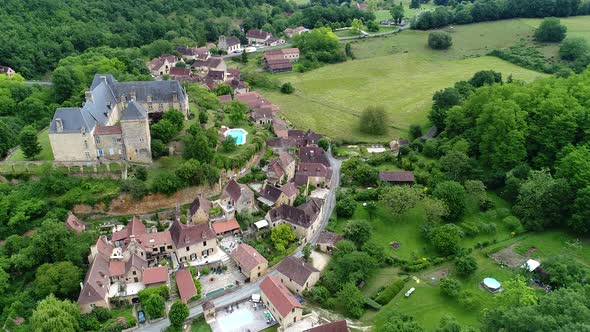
point(248, 257)
point(296, 269)
point(279, 295)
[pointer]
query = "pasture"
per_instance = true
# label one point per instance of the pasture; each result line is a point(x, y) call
point(398, 72)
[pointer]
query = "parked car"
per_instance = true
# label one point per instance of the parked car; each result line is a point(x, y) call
point(141, 317)
point(410, 291)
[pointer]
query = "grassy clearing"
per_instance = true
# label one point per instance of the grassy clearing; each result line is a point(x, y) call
point(399, 72)
point(46, 152)
point(329, 100)
point(199, 325)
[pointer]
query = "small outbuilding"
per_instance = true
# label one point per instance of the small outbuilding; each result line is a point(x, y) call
point(209, 311)
point(531, 265)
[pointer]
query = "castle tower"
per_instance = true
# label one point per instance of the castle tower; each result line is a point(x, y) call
point(136, 133)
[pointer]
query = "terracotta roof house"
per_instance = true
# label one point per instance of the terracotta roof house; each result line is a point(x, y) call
point(155, 276)
point(295, 31)
point(199, 211)
point(315, 174)
point(102, 247)
point(397, 177)
point(194, 53)
point(280, 302)
point(250, 262)
point(225, 99)
point(161, 65)
point(180, 73)
point(303, 218)
point(305, 138)
point(134, 227)
point(156, 242)
point(257, 36)
point(297, 275)
point(228, 227)
point(7, 71)
point(327, 241)
point(237, 197)
point(313, 155)
point(337, 326)
point(274, 172)
point(74, 223)
point(95, 288)
point(186, 285)
point(193, 242)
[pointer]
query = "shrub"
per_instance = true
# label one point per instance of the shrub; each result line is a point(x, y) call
point(574, 48)
point(439, 40)
point(345, 207)
point(287, 88)
point(166, 183)
point(465, 265)
point(134, 187)
point(373, 120)
point(512, 223)
point(449, 287)
point(390, 292)
point(550, 30)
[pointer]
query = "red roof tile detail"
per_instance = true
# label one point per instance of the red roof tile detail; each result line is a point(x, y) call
point(225, 226)
point(155, 275)
point(279, 295)
point(186, 285)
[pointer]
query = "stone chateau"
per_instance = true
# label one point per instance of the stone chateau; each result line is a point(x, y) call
point(113, 123)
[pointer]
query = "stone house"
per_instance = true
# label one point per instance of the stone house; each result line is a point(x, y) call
point(161, 65)
point(312, 174)
point(303, 219)
point(199, 211)
point(250, 262)
point(7, 71)
point(279, 144)
point(272, 196)
point(327, 241)
point(193, 242)
point(297, 275)
point(257, 36)
point(237, 197)
point(229, 44)
point(308, 138)
point(337, 326)
point(156, 276)
point(280, 302)
point(193, 53)
point(114, 120)
point(290, 32)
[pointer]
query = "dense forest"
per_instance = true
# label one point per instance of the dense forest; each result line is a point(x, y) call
point(37, 35)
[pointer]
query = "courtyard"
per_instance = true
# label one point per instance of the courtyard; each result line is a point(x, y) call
point(244, 317)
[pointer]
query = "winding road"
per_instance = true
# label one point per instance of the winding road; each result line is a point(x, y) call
point(246, 291)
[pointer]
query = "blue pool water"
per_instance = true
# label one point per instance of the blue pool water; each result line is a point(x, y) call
point(239, 134)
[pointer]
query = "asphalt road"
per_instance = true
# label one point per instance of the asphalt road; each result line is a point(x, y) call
point(246, 291)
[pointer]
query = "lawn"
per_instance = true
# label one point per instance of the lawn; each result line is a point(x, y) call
point(46, 152)
point(398, 72)
point(199, 325)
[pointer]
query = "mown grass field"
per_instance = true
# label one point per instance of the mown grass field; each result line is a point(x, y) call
point(400, 73)
point(46, 152)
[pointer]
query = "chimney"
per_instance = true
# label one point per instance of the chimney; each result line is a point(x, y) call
point(88, 95)
point(59, 126)
point(81, 285)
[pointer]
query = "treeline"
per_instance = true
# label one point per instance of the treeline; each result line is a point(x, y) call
point(491, 10)
point(36, 35)
point(530, 142)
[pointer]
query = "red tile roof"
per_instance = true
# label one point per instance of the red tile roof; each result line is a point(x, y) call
point(247, 257)
point(279, 295)
point(74, 223)
point(104, 248)
point(135, 227)
point(338, 326)
point(116, 268)
point(151, 240)
point(225, 226)
point(155, 275)
point(186, 285)
point(108, 130)
point(225, 99)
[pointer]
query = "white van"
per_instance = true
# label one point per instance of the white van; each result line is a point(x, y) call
point(410, 291)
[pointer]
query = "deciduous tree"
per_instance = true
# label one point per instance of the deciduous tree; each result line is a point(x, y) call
point(400, 198)
point(178, 313)
point(357, 231)
point(29, 142)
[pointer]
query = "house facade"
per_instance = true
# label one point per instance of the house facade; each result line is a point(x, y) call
point(229, 44)
point(193, 242)
point(297, 275)
point(7, 71)
point(113, 123)
point(249, 261)
point(257, 36)
point(280, 302)
point(161, 65)
point(237, 197)
point(199, 211)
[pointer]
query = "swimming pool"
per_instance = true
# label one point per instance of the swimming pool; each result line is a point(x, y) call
point(238, 133)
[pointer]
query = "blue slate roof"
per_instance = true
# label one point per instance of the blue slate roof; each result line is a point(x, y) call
point(134, 111)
